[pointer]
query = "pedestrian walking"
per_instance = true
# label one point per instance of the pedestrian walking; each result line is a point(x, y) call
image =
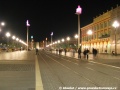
point(73, 52)
point(87, 53)
point(65, 50)
point(56, 51)
point(37, 52)
point(94, 51)
point(60, 51)
point(84, 52)
point(79, 53)
point(113, 53)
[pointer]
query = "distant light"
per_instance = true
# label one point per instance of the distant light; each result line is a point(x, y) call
point(17, 39)
point(58, 41)
point(68, 38)
point(31, 36)
point(63, 40)
point(8, 34)
point(2, 23)
point(76, 36)
point(13, 37)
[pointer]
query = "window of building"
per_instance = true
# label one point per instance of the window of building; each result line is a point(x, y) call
point(82, 38)
point(99, 34)
point(109, 32)
point(109, 23)
point(95, 27)
point(101, 25)
point(105, 24)
point(95, 36)
point(98, 27)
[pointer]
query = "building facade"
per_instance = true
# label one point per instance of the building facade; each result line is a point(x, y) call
point(103, 36)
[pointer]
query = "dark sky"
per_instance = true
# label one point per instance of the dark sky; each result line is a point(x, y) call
point(46, 16)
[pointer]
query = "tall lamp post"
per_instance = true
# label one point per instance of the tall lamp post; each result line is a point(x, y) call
point(76, 37)
point(115, 25)
point(1, 24)
point(8, 35)
point(51, 38)
point(13, 37)
point(46, 43)
point(27, 24)
point(68, 39)
point(78, 12)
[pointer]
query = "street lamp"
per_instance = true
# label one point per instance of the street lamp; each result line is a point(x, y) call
point(2, 24)
point(76, 37)
point(89, 32)
point(17, 39)
point(68, 39)
point(43, 44)
point(46, 42)
point(8, 35)
point(27, 24)
point(13, 37)
point(51, 37)
point(78, 12)
point(63, 40)
point(115, 25)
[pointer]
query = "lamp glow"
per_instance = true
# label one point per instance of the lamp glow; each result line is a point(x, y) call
point(79, 10)
point(27, 23)
point(115, 24)
point(89, 32)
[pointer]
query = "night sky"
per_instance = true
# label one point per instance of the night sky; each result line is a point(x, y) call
point(46, 16)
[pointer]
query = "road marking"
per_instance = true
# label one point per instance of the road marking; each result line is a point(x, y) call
point(39, 85)
point(90, 68)
point(91, 63)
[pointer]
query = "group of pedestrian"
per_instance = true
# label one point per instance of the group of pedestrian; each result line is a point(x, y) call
point(59, 51)
point(86, 53)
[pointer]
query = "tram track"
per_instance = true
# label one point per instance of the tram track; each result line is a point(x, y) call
point(76, 73)
point(117, 79)
point(51, 69)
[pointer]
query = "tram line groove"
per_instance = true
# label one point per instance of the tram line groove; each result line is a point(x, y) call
point(75, 72)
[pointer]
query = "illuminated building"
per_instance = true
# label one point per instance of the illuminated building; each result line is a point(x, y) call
point(103, 34)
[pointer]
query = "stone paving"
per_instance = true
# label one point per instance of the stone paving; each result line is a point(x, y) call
point(59, 71)
point(17, 71)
